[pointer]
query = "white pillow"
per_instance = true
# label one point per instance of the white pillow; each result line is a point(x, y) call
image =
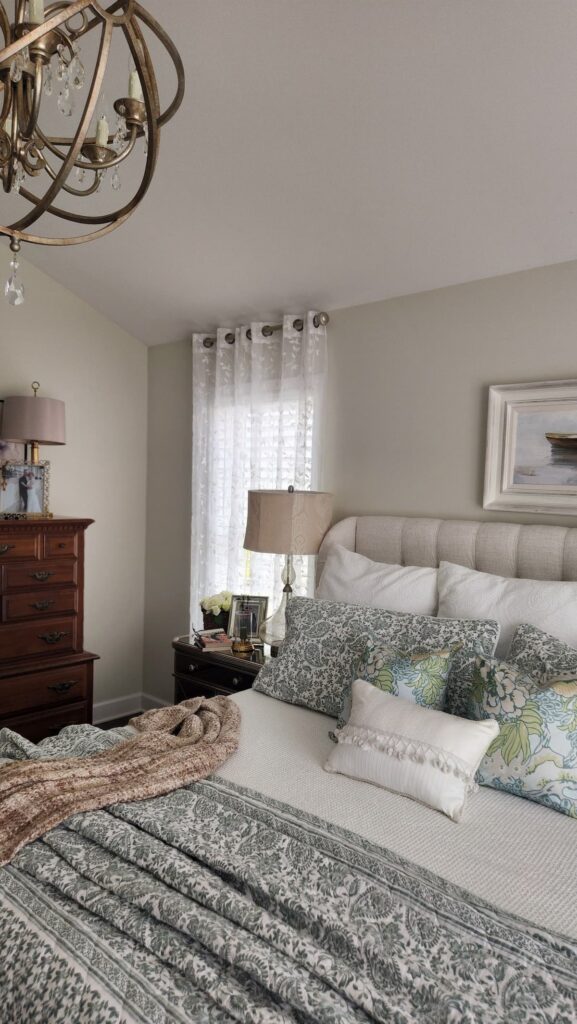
point(387, 741)
point(355, 579)
point(548, 605)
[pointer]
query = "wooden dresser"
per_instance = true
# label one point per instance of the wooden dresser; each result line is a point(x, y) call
point(45, 673)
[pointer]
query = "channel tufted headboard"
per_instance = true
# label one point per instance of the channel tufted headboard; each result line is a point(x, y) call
point(507, 549)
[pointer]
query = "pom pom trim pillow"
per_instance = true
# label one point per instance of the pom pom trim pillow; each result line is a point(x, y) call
point(348, 576)
point(546, 604)
point(535, 754)
point(426, 755)
point(325, 642)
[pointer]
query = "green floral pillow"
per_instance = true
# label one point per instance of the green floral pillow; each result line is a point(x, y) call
point(535, 753)
point(420, 676)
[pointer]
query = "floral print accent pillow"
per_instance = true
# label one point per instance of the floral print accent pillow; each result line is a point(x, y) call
point(536, 652)
point(535, 754)
point(420, 677)
point(325, 641)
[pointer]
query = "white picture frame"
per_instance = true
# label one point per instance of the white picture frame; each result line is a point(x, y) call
point(255, 610)
point(531, 456)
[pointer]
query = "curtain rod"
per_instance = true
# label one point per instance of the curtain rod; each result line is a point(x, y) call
point(319, 320)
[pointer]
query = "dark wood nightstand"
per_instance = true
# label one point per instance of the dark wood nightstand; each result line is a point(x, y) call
point(200, 673)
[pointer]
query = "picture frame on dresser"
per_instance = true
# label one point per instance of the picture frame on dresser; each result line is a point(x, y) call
point(531, 456)
point(24, 490)
point(12, 451)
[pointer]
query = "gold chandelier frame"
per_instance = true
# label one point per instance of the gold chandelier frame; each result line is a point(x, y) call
point(27, 147)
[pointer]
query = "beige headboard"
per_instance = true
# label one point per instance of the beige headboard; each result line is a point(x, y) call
point(507, 549)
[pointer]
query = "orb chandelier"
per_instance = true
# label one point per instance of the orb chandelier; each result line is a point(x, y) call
point(44, 87)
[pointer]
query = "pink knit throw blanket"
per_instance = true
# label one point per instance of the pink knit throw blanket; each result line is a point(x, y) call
point(175, 746)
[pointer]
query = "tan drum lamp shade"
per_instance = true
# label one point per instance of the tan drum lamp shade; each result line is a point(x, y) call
point(33, 420)
point(286, 523)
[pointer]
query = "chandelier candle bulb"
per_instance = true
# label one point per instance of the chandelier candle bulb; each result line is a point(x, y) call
point(36, 12)
point(102, 132)
point(134, 87)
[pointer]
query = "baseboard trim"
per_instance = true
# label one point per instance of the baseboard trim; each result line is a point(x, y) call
point(149, 702)
point(121, 707)
point(124, 707)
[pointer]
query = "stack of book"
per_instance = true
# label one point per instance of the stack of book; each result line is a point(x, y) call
point(214, 639)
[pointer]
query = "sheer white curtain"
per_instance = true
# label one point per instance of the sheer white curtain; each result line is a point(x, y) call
point(256, 419)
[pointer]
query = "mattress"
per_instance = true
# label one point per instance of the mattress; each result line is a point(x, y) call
point(510, 852)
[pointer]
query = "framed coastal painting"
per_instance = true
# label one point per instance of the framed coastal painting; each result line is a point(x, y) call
point(531, 461)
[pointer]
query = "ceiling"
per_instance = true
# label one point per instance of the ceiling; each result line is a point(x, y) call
point(336, 152)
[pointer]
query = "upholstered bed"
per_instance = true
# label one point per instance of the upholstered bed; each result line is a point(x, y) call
point(509, 549)
point(279, 892)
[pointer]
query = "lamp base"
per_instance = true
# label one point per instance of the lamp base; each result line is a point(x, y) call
point(273, 629)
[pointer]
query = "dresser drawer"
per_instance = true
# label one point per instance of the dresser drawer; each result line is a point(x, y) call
point(46, 636)
point(43, 689)
point(60, 545)
point(215, 675)
point(39, 602)
point(17, 547)
point(43, 574)
point(38, 725)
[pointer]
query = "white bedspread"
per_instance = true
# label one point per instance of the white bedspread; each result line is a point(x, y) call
point(513, 853)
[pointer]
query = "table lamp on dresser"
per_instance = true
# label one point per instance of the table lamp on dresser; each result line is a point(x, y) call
point(33, 421)
point(286, 523)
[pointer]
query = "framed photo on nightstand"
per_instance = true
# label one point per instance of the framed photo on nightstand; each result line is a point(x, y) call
point(247, 613)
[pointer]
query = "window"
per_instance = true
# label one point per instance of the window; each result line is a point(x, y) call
point(257, 411)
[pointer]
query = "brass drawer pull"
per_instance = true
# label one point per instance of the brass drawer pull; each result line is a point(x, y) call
point(52, 638)
point(63, 687)
point(5, 548)
point(41, 576)
point(42, 606)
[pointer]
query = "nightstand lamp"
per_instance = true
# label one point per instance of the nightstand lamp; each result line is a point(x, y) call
point(286, 523)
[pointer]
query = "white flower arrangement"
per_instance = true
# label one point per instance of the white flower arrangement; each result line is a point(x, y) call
point(217, 603)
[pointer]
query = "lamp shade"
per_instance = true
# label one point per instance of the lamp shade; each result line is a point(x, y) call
point(33, 419)
point(287, 522)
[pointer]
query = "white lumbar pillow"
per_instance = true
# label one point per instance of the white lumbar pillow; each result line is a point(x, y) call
point(427, 755)
point(348, 576)
point(548, 605)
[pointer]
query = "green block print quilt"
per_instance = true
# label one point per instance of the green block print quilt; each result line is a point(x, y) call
point(214, 904)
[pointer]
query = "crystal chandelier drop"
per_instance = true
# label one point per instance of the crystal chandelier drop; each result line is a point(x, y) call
point(45, 87)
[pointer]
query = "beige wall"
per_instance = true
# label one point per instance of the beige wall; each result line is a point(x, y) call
point(100, 372)
point(405, 417)
point(168, 509)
